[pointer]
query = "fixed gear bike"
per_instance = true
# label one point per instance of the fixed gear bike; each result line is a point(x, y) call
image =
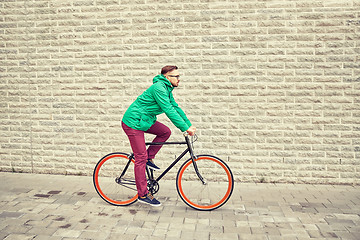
point(203, 182)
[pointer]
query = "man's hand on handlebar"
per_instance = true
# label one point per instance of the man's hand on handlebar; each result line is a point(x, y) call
point(191, 131)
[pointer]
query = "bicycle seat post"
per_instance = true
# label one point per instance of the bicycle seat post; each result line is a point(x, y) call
point(150, 173)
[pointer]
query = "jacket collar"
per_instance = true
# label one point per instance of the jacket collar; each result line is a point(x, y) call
point(162, 78)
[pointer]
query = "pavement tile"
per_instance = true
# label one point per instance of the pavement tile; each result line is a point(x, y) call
point(282, 238)
point(173, 233)
point(43, 230)
point(159, 233)
point(195, 235)
point(47, 237)
point(150, 238)
point(252, 237)
point(63, 232)
point(98, 235)
point(7, 214)
point(348, 236)
point(117, 236)
point(17, 236)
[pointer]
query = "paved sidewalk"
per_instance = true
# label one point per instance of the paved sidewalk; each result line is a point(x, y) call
point(67, 207)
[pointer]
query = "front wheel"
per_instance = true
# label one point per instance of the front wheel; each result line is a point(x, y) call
point(210, 192)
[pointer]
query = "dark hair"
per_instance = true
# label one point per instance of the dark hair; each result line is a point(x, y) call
point(167, 69)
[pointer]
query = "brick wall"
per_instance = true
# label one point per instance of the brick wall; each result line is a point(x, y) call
point(272, 86)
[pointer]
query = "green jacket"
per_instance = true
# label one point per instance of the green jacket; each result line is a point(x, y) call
point(157, 99)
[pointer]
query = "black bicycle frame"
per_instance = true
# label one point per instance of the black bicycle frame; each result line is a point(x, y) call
point(189, 149)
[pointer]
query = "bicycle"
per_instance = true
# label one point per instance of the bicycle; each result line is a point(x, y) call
point(203, 182)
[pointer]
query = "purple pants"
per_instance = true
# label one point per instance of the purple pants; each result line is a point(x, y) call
point(137, 142)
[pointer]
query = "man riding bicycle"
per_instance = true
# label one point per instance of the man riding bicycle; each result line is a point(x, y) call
point(140, 118)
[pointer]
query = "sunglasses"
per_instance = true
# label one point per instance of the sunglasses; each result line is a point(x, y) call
point(175, 76)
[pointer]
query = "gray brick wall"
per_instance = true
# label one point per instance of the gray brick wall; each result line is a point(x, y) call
point(272, 86)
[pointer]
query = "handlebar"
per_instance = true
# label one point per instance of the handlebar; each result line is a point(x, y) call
point(192, 139)
point(186, 134)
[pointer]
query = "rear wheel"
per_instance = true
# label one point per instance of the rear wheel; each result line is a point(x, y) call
point(216, 189)
point(110, 184)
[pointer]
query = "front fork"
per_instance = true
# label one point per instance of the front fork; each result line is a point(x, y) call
point(193, 158)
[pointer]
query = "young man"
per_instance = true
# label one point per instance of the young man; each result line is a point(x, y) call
point(140, 118)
